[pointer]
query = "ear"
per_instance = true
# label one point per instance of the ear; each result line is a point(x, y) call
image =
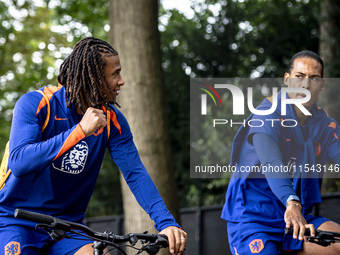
point(286, 79)
point(322, 84)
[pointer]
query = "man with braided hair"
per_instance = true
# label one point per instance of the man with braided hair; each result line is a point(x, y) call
point(53, 166)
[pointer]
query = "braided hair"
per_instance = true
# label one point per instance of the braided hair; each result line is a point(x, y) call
point(82, 74)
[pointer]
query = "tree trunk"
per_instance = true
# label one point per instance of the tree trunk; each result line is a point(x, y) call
point(326, 45)
point(134, 34)
point(329, 27)
point(329, 52)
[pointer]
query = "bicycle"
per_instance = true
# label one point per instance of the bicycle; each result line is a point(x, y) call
point(58, 228)
point(323, 238)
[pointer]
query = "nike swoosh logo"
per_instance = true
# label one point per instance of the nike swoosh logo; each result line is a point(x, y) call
point(55, 117)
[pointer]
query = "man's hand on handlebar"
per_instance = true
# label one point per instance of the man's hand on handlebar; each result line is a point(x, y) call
point(293, 217)
point(323, 238)
point(177, 239)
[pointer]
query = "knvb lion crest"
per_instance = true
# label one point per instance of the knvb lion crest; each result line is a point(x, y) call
point(12, 248)
point(256, 246)
point(74, 161)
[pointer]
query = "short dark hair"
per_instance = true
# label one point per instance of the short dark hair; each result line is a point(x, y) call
point(305, 54)
point(82, 74)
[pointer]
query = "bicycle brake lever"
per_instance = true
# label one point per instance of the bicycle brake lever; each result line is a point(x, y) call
point(152, 250)
point(56, 224)
point(322, 242)
point(55, 234)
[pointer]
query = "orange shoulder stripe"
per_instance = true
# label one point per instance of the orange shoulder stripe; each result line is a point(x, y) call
point(48, 91)
point(76, 135)
point(332, 125)
point(113, 117)
point(270, 99)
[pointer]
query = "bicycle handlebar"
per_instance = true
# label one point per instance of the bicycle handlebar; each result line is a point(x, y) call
point(318, 232)
point(323, 238)
point(289, 231)
point(50, 220)
point(156, 240)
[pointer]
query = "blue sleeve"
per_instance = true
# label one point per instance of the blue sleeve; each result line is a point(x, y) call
point(124, 153)
point(267, 124)
point(27, 152)
point(269, 153)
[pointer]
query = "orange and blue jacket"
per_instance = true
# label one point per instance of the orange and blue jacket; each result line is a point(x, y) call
point(54, 170)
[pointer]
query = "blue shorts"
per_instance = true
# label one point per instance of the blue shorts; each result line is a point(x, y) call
point(256, 238)
point(15, 239)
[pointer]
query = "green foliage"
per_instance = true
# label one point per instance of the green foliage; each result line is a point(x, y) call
point(242, 38)
point(28, 51)
point(85, 18)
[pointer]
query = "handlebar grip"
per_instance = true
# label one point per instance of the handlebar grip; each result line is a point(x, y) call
point(164, 236)
point(289, 231)
point(32, 216)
